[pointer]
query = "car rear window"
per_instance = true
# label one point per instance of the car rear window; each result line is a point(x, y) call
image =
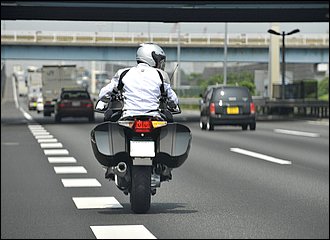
point(75, 95)
point(232, 94)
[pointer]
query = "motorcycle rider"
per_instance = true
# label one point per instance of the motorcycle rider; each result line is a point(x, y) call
point(142, 85)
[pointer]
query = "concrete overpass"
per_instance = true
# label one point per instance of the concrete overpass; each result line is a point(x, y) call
point(307, 48)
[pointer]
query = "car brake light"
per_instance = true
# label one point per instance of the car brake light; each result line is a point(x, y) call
point(212, 108)
point(89, 105)
point(252, 108)
point(61, 105)
point(142, 126)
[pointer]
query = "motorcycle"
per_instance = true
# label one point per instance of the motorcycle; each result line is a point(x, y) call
point(139, 152)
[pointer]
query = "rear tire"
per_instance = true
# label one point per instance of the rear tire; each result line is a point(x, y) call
point(202, 125)
point(252, 126)
point(91, 118)
point(209, 125)
point(57, 118)
point(140, 196)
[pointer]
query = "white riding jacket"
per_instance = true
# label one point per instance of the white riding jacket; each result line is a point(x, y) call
point(141, 89)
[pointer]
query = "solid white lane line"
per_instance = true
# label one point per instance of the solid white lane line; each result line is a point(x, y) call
point(69, 169)
point(122, 232)
point(26, 115)
point(51, 145)
point(319, 122)
point(62, 160)
point(80, 182)
point(56, 152)
point(43, 136)
point(14, 91)
point(47, 140)
point(296, 133)
point(96, 202)
point(259, 155)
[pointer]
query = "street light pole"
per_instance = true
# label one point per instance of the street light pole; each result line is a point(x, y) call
point(283, 65)
point(271, 31)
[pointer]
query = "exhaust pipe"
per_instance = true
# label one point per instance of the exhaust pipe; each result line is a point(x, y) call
point(122, 179)
point(121, 169)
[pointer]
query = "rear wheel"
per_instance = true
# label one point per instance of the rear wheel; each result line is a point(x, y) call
point(140, 196)
point(91, 118)
point(252, 126)
point(209, 125)
point(202, 125)
point(244, 127)
point(57, 118)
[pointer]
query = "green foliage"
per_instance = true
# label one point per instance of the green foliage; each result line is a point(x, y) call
point(323, 89)
point(234, 79)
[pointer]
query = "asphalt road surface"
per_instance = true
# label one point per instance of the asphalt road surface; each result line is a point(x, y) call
point(268, 183)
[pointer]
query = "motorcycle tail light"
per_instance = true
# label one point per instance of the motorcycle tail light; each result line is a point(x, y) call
point(142, 126)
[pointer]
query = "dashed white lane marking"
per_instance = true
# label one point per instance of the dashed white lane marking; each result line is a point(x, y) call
point(80, 182)
point(297, 133)
point(62, 160)
point(70, 169)
point(122, 232)
point(56, 152)
point(36, 130)
point(35, 126)
point(43, 136)
point(39, 133)
point(51, 145)
point(47, 140)
point(96, 202)
point(259, 155)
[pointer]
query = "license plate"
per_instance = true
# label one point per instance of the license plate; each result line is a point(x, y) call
point(232, 110)
point(75, 104)
point(142, 149)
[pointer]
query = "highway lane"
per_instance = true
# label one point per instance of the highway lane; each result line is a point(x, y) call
point(216, 193)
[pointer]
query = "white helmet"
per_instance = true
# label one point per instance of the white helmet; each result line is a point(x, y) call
point(151, 54)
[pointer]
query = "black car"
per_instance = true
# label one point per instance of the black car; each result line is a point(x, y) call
point(74, 103)
point(227, 105)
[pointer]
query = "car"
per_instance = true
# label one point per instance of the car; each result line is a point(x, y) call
point(227, 105)
point(74, 102)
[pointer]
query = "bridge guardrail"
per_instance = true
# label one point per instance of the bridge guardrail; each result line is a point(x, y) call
point(186, 39)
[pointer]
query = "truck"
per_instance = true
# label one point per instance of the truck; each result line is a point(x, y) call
point(34, 82)
point(54, 78)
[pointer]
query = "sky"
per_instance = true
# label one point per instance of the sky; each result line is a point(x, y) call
point(158, 27)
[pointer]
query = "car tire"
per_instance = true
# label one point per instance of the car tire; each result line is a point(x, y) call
point(57, 118)
point(209, 125)
point(244, 127)
point(252, 126)
point(91, 118)
point(202, 125)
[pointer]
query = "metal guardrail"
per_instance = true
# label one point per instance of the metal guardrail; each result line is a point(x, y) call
point(133, 38)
